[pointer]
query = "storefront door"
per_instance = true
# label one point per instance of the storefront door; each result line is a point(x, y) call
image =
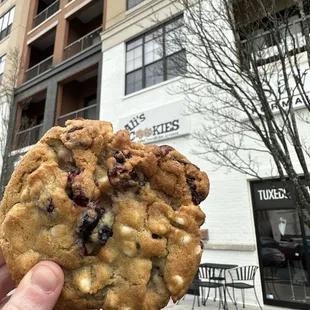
point(283, 247)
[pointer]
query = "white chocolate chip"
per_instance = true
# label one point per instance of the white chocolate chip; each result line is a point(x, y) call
point(198, 250)
point(104, 180)
point(180, 221)
point(178, 280)
point(59, 231)
point(85, 285)
point(65, 154)
point(129, 252)
point(126, 230)
point(186, 239)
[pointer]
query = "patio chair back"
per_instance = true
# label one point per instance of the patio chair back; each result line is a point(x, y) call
point(206, 273)
point(244, 273)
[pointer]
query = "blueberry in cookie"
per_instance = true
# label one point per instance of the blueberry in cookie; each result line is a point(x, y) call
point(121, 218)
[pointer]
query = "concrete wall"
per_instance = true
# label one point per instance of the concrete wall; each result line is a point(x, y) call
point(228, 207)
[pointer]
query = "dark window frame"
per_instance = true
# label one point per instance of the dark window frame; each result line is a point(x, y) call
point(1, 73)
point(267, 25)
point(128, 6)
point(164, 57)
point(4, 32)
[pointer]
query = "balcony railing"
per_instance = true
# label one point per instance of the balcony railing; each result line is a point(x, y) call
point(39, 68)
point(287, 38)
point(87, 113)
point(83, 43)
point(28, 137)
point(45, 14)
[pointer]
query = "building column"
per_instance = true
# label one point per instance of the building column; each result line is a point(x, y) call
point(25, 54)
point(50, 106)
point(61, 37)
point(99, 87)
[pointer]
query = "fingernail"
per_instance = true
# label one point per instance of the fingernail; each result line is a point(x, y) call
point(44, 279)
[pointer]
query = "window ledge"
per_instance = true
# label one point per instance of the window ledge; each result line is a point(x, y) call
point(243, 247)
point(22, 150)
point(2, 3)
point(70, 3)
point(144, 90)
point(44, 22)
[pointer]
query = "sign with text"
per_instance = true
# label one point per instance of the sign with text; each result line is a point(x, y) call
point(271, 194)
point(165, 122)
point(297, 102)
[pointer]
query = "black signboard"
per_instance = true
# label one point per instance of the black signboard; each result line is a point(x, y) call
point(271, 194)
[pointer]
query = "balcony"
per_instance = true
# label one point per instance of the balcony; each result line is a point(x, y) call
point(87, 113)
point(46, 13)
point(83, 43)
point(79, 96)
point(28, 136)
point(29, 121)
point(265, 46)
point(39, 68)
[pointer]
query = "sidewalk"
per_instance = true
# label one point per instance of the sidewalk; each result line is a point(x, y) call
point(211, 305)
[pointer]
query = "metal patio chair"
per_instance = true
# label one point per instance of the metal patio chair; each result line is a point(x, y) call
point(242, 278)
point(194, 290)
point(209, 279)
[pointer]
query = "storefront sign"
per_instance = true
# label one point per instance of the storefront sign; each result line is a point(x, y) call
point(157, 124)
point(297, 102)
point(271, 194)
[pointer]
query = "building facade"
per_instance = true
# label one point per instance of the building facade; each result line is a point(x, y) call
point(248, 222)
point(108, 60)
point(60, 74)
point(12, 34)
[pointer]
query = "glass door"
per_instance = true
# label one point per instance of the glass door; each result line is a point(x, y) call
point(284, 247)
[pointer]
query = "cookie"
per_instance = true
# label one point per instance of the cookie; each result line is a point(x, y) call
point(121, 218)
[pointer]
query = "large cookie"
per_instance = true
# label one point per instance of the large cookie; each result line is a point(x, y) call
point(121, 218)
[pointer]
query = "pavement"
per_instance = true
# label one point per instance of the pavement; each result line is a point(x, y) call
point(211, 305)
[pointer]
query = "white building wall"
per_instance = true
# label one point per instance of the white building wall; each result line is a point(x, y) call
point(228, 208)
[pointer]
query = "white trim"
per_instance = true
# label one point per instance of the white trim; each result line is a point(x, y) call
point(22, 150)
point(161, 84)
point(42, 32)
point(69, 3)
point(5, 38)
point(130, 26)
point(77, 8)
point(136, 12)
point(2, 3)
point(35, 28)
point(243, 247)
point(137, 7)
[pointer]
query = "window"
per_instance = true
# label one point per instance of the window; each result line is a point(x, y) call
point(262, 34)
point(6, 22)
point(2, 63)
point(132, 3)
point(155, 57)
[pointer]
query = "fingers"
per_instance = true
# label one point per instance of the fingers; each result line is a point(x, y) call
point(6, 282)
point(39, 289)
point(2, 261)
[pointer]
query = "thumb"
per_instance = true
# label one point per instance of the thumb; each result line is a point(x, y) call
point(39, 289)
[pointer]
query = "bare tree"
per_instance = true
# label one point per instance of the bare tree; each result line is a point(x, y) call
point(6, 104)
point(247, 64)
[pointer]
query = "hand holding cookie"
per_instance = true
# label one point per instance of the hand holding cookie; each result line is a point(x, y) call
point(38, 290)
point(121, 219)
